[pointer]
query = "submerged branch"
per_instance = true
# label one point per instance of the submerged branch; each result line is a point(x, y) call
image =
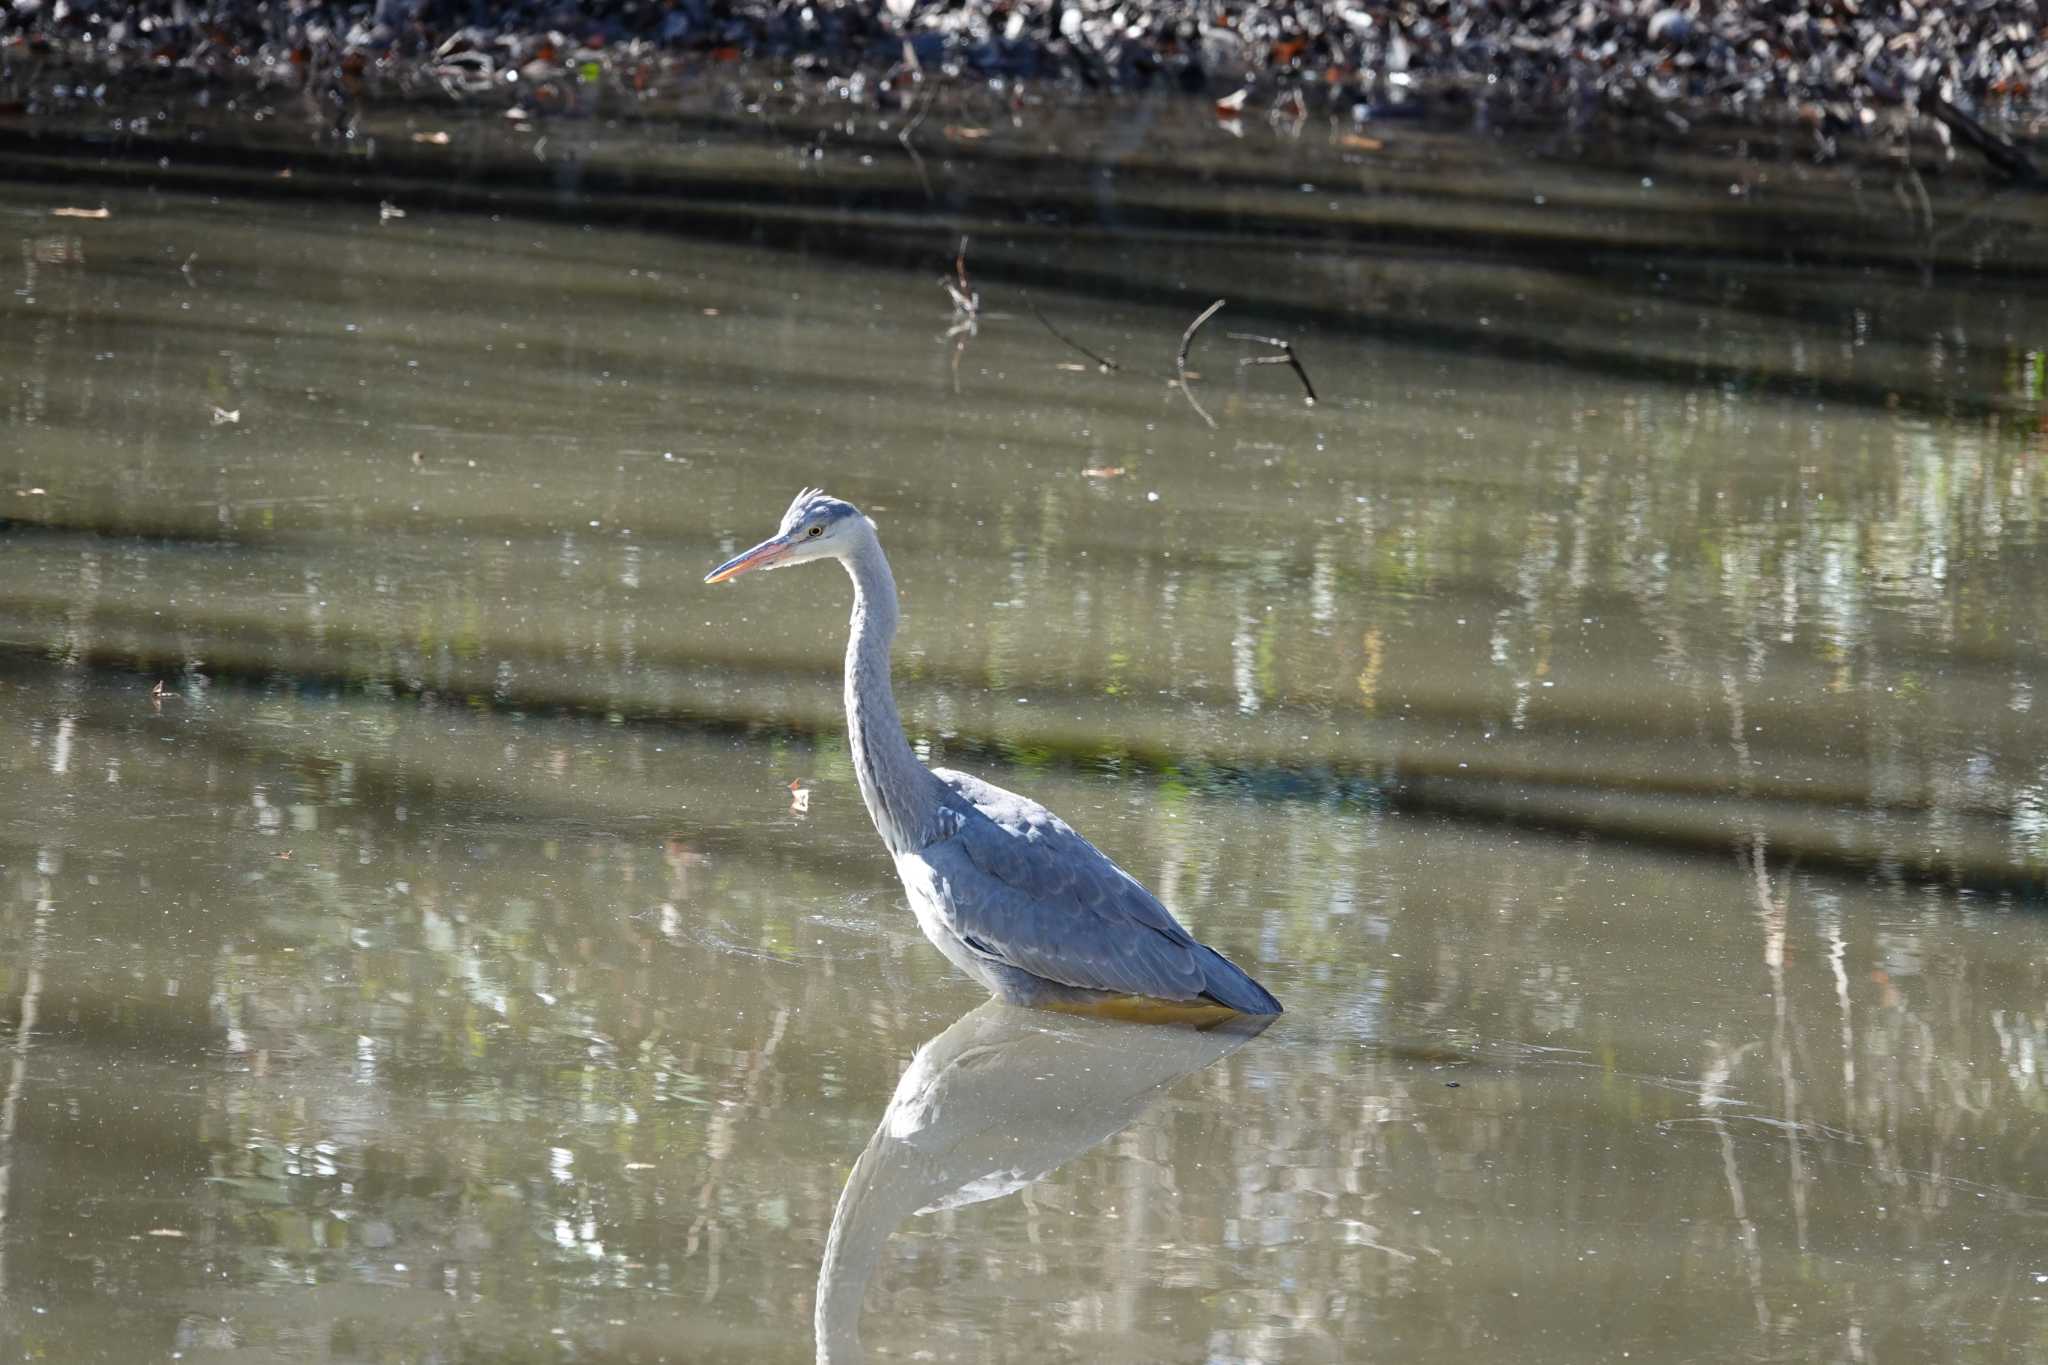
point(1286, 357)
point(1102, 363)
point(1180, 361)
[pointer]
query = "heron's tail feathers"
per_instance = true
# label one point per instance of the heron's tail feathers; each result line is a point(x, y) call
point(1226, 983)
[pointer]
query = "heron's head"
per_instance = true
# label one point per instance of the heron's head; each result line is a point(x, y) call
point(815, 527)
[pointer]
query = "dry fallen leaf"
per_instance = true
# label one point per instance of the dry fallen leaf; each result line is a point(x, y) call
point(1104, 472)
point(223, 416)
point(1360, 142)
point(31, 492)
point(81, 213)
point(434, 139)
point(960, 134)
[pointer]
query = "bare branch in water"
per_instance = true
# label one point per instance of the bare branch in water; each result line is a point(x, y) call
point(903, 137)
point(2009, 159)
point(1286, 357)
point(1180, 361)
point(966, 303)
point(1104, 365)
point(966, 309)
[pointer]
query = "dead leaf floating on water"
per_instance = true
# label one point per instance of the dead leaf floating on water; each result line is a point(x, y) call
point(1359, 142)
point(960, 134)
point(433, 139)
point(224, 416)
point(1104, 472)
point(81, 213)
point(31, 492)
point(166, 1232)
point(387, 210)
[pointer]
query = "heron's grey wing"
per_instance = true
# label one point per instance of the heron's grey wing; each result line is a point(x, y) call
point(1019, 885)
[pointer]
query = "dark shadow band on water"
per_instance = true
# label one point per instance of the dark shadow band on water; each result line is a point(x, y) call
point(1714, 825)
point(897, 227)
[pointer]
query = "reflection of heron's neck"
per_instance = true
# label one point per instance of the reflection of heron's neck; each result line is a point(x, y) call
point(868, 1214)
point(898, 790)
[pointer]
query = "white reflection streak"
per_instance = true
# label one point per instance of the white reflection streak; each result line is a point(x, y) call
point(1838, 951)
point(17, 1072)
point(1771, 909)
point(60, 751)
point(1713, 1084)
point(706, 1231)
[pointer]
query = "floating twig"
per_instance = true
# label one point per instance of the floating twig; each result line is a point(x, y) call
point(1180, 361)
point(1286, 357)
point(1103, 364)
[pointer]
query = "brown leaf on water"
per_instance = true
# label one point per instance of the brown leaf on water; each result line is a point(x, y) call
point(81, 213)
point(1359, 142)
point(433, 139)
point(1103, 472)
point(960, 134)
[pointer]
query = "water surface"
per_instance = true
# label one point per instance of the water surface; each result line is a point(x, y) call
point(1607, 720)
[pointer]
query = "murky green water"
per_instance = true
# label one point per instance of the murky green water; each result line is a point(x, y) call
point(1608, 720)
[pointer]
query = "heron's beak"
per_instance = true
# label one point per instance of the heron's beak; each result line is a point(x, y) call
point(765, 555)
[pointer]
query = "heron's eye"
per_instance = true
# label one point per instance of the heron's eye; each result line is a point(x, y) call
point(817, 530)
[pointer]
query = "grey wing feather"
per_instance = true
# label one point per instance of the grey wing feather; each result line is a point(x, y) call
point(1022, 887)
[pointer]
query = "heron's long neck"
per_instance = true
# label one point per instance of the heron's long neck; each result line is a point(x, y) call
point(901, 795)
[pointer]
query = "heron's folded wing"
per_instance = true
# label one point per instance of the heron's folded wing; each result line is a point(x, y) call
point(1018, 885)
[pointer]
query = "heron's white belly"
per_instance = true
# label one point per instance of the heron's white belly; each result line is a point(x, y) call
point(927, 904)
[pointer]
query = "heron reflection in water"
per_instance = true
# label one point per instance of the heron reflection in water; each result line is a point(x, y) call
point(1005, 889)
point(999, 1100)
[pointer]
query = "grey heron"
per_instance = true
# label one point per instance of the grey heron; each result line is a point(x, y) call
point(1002, 886)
